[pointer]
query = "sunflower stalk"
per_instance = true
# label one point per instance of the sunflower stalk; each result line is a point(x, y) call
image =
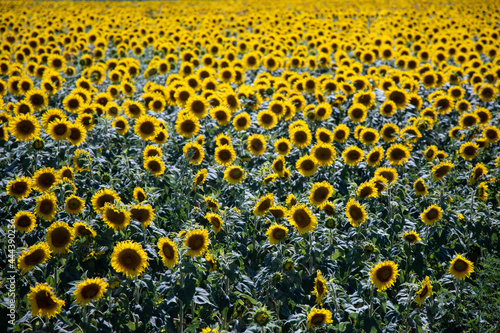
point(311, 252)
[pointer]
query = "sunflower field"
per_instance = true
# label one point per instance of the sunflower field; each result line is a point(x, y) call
point(250, 166)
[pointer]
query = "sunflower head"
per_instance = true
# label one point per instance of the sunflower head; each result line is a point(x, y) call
point(90, 290)
point(196, 242)
point(43, 301)
point(460, 267)
point(384, 275)
point(129, 257)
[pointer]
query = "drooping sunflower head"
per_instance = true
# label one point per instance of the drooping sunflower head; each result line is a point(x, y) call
point(441, 170)
point(35, 255)
point(168, 252)
point(320, 288)
point(43, 301)
point(420, 188)
point(424, 291)
point(263, 205)
point(355, 212)
point(384, 275)
point(84, 230)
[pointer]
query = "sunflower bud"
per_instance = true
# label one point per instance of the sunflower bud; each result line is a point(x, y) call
point(277, 277)
point(330, 223)
point(369, 248)
point(38, 144)
point(262, 316)
point(270, 91)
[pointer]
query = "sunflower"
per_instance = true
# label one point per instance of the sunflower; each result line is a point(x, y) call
point(384, 275)
point(35, 255)
point(487, 92)
point(115, 218)
point(242, 121)
point(151, 151)
point(77, 134)
point(224, 155)
point(187, 126)
point(194, 153)
point(168, 252)
point(102, 197)
point(221, 114)
point(388, 108)
point(323, 135)
point(43, 301)
point(389, 132)
point(420, 188)
point(146, 127)
point(46, 206)
point(375, 156)
point(142, 213)
point(368, 136)
point(410, 134)
point(133, 109)
point(215, 220)
point(154, 165)
point(482, 191)
point(267, 119)
point(74, 205)
point(441, 170)
point(307, 165)
point(491, 134)
point(367, 190)
point(302, 219)
point(197, 242)
point(37, 98)
point(424, 291)
point(200, 178)
point(59, 237)
point(300, 136)
point(324, 153)
point(25, 127)
point(390, 174)
point(44, 179)
point(120, 124)
point(211, 203)
point(357, 113)
point(283, 146)
point(20, 187)
point(469, 150)
point(355, 212)
point(319, 317)
point(24, 221)
point(320, 193)
point(86, 120)
point(263, 205)
point(197, 106)
point(468, 120)
point(443, 104)
point(398, 96)
point(484, 115)
point(352, 155)
point(256, 144)
point(90, 290)
point(73, 103)
point(234, 174)
point(398, 154)
point(431, 215)
point(278, 211)
point(59, 129)
point(411, 237)
point(82, 229)
point(231, 100)
point(279, 165)
point(129, 257)
point(320, 288)
point(430, 153)
point(460, 267)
